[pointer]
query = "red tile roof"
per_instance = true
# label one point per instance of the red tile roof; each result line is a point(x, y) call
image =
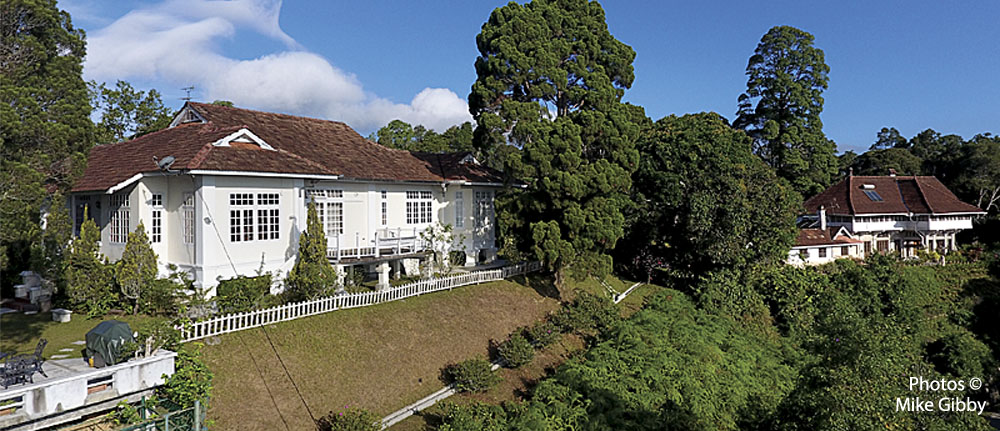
point(899, 194)
point(813, 237)
point(304, 146)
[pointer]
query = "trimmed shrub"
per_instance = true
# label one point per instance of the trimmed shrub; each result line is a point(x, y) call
point(471, 375)
point(588, 313)
point(353, 419)
point(516, 351)
point(241, 293)
point(457, 257)
point(543, 334)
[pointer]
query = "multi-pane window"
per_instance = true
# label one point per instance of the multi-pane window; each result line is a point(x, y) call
point(484, 208)
point(156, 210)
point(419, 207)
point(822, 252)
point(240, 217)
point(385, 209)
point(459, 209)
point(119, 218)
point(267, 216)
point(334, 218)
point(844, 251)
point(187, 210)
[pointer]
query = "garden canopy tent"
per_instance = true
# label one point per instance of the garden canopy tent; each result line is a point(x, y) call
point(107, 339)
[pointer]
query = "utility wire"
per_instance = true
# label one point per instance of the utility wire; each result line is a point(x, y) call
point(288, 374)
point(262, 380)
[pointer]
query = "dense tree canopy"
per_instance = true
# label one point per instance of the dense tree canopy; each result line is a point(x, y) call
point(401, 135)
point(44, 120)
point(699, 192)
point(126, 112)
point(879, 162)
point(547, 101)
point(781, 109)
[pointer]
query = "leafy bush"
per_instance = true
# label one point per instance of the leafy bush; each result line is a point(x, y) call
point(124, 414)
point(471, 375)
point(588, 313)
point(457, 258)
point(543, 334)
point(476, 416)
point(516, 351)
point(353, 419)
point(241, 293)
point(191, 381)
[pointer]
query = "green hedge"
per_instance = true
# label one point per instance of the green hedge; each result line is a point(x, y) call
point(243, 293)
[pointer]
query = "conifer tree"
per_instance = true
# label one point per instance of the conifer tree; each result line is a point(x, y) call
point(781, 107)
point(312, 276)
point(547, 104)
point(89, 277)
point(137, 268)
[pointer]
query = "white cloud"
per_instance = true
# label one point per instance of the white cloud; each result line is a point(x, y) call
point(175, 42)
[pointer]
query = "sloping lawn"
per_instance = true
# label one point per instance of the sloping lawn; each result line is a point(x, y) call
point(20, 332)
point(379, 358)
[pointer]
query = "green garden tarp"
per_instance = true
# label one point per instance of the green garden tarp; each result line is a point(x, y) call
point(106, 342)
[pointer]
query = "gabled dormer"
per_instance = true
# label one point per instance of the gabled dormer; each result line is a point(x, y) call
point(244, 139)
point(187, 115)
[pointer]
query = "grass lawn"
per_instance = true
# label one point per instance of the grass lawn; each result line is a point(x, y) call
point(20, 332)
point(379, 358)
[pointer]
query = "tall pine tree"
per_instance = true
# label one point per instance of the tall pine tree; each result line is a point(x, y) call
point(547, 103)
point(781, 107)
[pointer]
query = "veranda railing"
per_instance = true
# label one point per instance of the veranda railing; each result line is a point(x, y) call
point(256, 318)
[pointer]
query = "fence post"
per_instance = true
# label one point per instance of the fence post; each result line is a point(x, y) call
point(197, 415)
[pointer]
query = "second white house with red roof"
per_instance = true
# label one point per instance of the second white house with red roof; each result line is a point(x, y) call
point(886, 214)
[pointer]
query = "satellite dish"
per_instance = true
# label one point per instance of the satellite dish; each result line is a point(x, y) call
point(165, 163)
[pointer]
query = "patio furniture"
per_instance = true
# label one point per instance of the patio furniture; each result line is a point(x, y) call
point(20, 369)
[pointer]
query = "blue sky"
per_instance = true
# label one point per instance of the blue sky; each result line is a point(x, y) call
point(912, 65)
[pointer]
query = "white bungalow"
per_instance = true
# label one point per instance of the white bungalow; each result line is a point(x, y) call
point(223, 191)
point(889, 214)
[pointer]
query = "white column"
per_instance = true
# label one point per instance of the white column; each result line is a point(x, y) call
point(383, 276)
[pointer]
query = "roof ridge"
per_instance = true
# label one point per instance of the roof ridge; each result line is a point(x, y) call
point(923, 195)
point(850, 196)
point(150, 134)
point(900, 191)
point(279, 114)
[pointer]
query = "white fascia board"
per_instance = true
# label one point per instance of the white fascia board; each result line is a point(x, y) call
point(224, 142)
point(263, 174)
point(115, 188)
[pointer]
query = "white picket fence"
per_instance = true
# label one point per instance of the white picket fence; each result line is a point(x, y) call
point(257, 318)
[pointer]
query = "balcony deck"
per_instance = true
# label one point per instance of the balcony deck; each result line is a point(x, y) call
point(388, 243)
point(73, 390)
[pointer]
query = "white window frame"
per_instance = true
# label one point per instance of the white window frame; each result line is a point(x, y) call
point(156, 218)
point(459, 209)
point(241, 217)
point(484, 207)
point(330, 209)
point(268, 216)
point(187, 213)
point(385, 208)
point(419, 207)
point(120, 218)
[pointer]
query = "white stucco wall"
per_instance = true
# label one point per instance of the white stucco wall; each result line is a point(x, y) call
point(214, 255)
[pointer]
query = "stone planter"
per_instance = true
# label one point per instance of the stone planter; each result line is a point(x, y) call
point(61, 315)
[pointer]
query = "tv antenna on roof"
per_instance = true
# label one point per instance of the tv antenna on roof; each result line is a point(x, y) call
point(188, 91)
